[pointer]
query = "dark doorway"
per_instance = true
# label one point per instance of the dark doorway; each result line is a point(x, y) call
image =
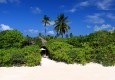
point(44, 51)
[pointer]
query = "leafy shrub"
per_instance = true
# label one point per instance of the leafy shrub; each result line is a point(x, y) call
point(10, 39)
point(58, 51)
point(80, 55)
point(17, 58)
point(27, 56)
point(48, 37)
point(5, 57)
point(77, 41)
point(59, 40)
point(32, 55)
point(61, 51)
point(99, 38)
point(73, 41)
point(105, 55)
point(31, 41)
point(98, 47)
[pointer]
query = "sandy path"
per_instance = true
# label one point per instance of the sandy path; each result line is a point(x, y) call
point(51, 70)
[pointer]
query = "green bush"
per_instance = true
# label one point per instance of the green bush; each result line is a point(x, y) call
point(10, 39)
point(48, 37)
point(27, 56)
point(31, 41)
point(81, 55)
point(105, 55)
point(5, 57)
point(32, 55)
point(59, 40)
point(58, 51)
point(61, 51)
point(17, 58)
point(77, 41)
point(73, 41)
point(98, 47)
point(99, 38)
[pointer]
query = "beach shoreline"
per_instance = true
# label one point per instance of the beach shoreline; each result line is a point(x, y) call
point(52, 70)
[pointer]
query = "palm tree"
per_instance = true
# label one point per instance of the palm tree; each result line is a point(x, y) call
point(45, 21)
point(61, 26)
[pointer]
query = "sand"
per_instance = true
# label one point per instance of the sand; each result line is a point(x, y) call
point(51, 70)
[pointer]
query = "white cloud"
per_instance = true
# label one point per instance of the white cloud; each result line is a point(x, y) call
point(84, 4)
point(113, 28)
point(3, 1)
point(88, 26)
point(104, 4)
point(76, 6)
point(5, 27)
point(51, 32)
point(111, 16)
point(72, 10)
point(96, 18)
point(36, 10)
point(62, 6)
point(102, 27)
point(32, 31)
point(99, 18)
point(100, 4)
point(52, 23)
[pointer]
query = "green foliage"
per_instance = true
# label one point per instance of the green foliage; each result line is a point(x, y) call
point(59, 40)
point(105, 55)
point(61, 51)
point(71, 35)
point(98, 47)
point(33, 56)
point(17, 58)
point(5, 57)
point(74, 41)
point(37, 41)
point(48, 37)
point(103, 44)
point(100, 38)
point(31, 41)
point(58, 51)
point(61, 26)
point(67, 36)
point(27, 56)
point(10, 38)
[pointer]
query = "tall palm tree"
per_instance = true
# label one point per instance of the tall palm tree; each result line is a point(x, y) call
point(61, 26)
point(45, 21)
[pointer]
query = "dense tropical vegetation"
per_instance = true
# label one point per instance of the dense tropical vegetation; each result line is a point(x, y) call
point(19, 50)
point(98, 47)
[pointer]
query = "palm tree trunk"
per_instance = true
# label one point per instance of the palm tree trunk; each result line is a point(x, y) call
point(62, 35)
point(57, 34)
point(45, 29)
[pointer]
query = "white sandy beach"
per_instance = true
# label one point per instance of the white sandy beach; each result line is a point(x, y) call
point(51, 70)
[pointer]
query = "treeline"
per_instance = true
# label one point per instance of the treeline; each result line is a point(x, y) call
point(19, 50)
point(97, 47)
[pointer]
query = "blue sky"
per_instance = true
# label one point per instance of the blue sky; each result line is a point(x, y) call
point(85, 16)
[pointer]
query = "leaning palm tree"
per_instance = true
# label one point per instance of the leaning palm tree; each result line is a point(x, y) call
point(61, 26)
point(45, 21)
